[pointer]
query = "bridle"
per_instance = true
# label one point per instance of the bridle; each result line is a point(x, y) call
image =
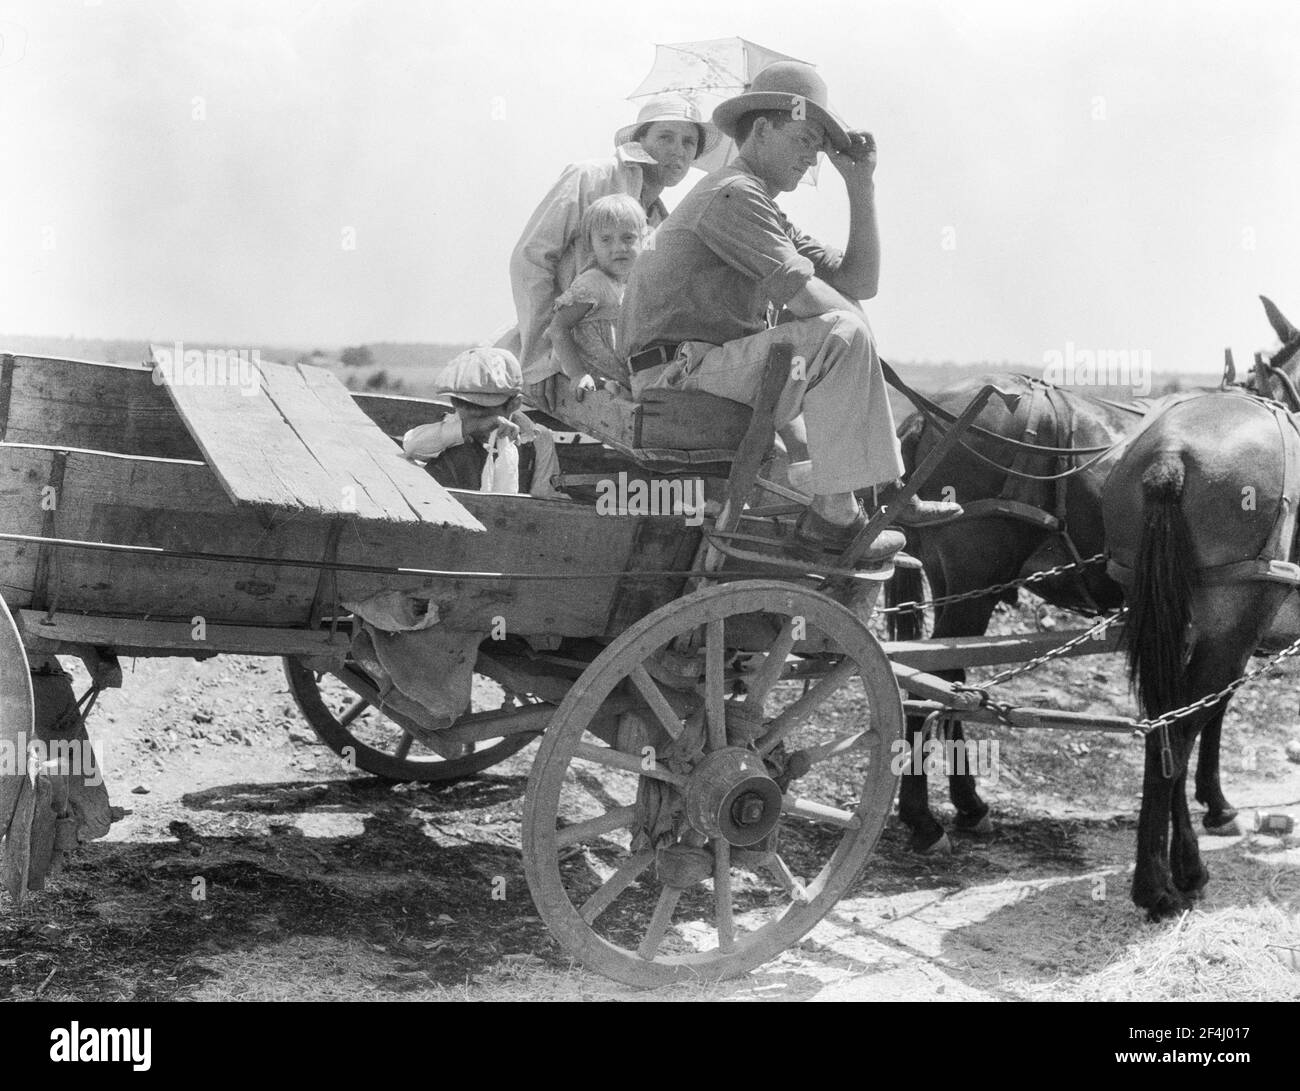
point(1273, 368)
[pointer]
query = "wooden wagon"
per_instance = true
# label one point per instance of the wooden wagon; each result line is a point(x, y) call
point(719, 727)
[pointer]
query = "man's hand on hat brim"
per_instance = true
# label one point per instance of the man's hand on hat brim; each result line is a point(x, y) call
point(858, 163)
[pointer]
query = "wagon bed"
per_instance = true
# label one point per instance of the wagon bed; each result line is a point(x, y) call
point(694, 668)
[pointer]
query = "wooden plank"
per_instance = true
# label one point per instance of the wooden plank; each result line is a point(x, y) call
point(756, 444)
point(299, 444)
point(988, 651)
point(119, 408)
point(932, 688)
point(127, 634)
point(357, 448)
point(6, 389)
point(45, 559)
point(600, 415)
point(395, 415)
point(1026, 716)
point(249, 443)
point(181, 506)
point(691, 420)
point(102, 407)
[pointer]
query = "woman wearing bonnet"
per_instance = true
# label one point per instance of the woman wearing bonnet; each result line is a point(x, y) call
point(652, 154)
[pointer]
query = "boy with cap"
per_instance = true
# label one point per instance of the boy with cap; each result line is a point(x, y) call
point(695, 312)
point(477, 446)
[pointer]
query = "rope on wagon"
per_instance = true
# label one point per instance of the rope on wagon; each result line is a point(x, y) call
point(386, 570)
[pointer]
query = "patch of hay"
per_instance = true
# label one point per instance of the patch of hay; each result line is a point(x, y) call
point(1243, 944)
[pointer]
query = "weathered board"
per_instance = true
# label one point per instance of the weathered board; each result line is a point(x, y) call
point(296, 442)
point(683, 427)
point(119, 408)
point(94, 406)
point(179, 505)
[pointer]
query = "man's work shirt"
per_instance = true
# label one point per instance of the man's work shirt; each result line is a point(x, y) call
point(551, 252)
point(724, 254)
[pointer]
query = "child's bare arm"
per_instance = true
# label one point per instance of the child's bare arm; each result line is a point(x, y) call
point(561, 334)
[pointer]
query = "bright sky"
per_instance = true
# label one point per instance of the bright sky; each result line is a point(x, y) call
point(1116, 175)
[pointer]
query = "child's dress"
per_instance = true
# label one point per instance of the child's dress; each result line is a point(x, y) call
point(594, 335)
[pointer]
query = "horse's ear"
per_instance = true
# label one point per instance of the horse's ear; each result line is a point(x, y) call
point(1229, 370)
point(1286, 333)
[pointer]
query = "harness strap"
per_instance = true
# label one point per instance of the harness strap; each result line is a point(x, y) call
point(931, 410)
point(1001, 507)
point(1259, 569)
point(1017, 484)
point(1276, 562)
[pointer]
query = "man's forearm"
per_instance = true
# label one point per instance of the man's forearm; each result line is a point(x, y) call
point(817, 297)
point(858, 276)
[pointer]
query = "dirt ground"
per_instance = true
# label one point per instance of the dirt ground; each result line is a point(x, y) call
point(321, 883)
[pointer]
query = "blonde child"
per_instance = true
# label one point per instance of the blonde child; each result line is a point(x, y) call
point(585, 316)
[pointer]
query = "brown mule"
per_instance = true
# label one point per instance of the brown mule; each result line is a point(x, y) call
point(1199, 518)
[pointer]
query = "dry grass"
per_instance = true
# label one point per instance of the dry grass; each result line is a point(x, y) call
point(1241, 944)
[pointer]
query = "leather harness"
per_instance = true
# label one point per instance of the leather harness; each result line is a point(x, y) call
point(1050, 416)
point(1276, 561)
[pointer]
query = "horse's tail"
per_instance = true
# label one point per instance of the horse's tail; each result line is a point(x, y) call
point(1160, 605)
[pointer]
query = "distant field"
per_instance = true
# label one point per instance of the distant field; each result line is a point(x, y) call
point(407, 368)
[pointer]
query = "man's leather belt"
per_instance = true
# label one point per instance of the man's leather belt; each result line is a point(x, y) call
point(653, 356)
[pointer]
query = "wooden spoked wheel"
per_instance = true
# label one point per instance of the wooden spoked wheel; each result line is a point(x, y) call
point(17, 729)
point(343, 707)
point(736, 801)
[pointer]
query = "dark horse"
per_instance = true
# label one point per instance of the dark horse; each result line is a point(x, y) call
point(1014, 525)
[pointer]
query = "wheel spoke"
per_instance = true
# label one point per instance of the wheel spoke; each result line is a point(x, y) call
point(819, 812)
point(682, 910)
point(355, 709)
point(770, 672)
point(714, 654)
point(630, 763)
point(654, 697)
point(789, 882)
point(618, 819)
point(722, 894)
point(845, 744)
point(804, 707)
point(663, 917)
point(612, 887)
point(404, 747)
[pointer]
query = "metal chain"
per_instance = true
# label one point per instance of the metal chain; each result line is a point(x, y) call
point(1056, 652)
point(1164, 720)
point(995, 589)
point(1144, 726)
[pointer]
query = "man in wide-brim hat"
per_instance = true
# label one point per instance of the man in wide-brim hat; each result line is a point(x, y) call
point(695, 315)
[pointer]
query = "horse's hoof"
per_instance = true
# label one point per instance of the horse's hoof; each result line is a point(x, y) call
point(1227, 827)
point(1192, 885)
point(942, 847)
point(982, 828)
point(1160, 902)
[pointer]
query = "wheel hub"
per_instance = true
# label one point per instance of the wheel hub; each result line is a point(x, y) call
point(731, 795)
